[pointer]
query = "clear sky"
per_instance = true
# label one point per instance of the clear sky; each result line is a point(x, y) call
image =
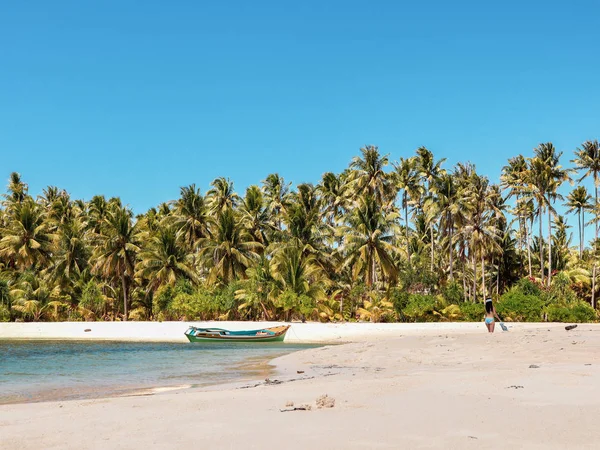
point(138, 98)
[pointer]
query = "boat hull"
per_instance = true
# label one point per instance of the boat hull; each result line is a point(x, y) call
point(275, 334)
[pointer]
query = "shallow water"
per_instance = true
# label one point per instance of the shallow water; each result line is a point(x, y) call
point(33, 371)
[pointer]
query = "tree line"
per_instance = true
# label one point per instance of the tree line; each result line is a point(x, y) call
point(383, 240)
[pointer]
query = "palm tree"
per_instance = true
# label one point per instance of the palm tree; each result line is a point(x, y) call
point(255, 215)
point(579, 201)
point(222, 195)
point(164, 261)
point(334, 194)
point(513, 179)
point(370, 178)
point(450, 207)
point(588, 160)
point(429, 170)
point(26, 242)
point(367, 243)
point(229, 250)
point(481, 226)
point(407, 180)
point(190, 217)
point(276, 194)
point(72, 254)
point(17, 191)
point(117, 249)
point(546, 177)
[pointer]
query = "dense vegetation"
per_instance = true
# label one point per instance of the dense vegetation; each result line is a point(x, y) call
point(407, 241)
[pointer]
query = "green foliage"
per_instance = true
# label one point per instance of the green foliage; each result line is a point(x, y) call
point(578, 312)
point(560, 291)
point(472, 312)
point(367, 244)
point(527, 286)
point(92, 300)
point(4, 313)
point(453, 293)
point(420, 308)
point(399, 298)
point(418, 280)
point(514, 306)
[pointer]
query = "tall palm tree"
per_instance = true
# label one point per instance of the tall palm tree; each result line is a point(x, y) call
point(17, 191)
point(578, 201)
point(367, 245)
point(334, 193)
point(370, 178)
point(229, 250)
point(547, 175)
point(276, 193)
point(407, 180)
point(481, 226)
point(513, 179)
point(450, 207)
point(222, 195)
point(190, 217)
point(255, 215)
point(118, 246)
point(588, 159)
point(429, 170)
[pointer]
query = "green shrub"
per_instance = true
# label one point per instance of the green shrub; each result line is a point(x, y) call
point(578, 312)
point(420, 308)
point(527, 287)
point(398, 298)
point(453, 293)
point(4, 314)
point(514, 306)
point(472, 312)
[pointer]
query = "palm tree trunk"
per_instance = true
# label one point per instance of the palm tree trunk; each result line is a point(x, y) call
point(549, 243)
point(451, 257)
point(594, 286)
point(431, 228)
point(124, 285)
point(596, 204)
point(482, 275)
point(528, 233)
point(474, 279)
point(464, 279)
point(498, 281)
point(541, 244)
point(406, 225)
point(580, 235)
point(582, 240)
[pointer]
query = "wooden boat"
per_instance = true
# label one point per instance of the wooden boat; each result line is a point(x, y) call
point(273, 334)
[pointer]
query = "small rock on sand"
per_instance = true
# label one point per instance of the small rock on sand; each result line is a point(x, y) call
point(289, 404)
point(533, 366)
point(324, 401)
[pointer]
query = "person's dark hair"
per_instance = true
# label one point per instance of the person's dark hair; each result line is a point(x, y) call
point(488, 305)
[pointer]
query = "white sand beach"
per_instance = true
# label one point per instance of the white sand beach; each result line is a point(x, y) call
point(533, 387)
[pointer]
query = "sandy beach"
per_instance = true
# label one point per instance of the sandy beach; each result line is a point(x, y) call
point(535, 386)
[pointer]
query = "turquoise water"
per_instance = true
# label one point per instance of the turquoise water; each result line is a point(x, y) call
point(33, 371)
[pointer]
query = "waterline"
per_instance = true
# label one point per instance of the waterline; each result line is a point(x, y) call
point(34, 371)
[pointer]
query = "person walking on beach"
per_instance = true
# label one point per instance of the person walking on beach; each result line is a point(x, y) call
point(490, 314)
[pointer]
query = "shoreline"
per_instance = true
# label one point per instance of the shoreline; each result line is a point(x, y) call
point(531, 387)
point(309, 332)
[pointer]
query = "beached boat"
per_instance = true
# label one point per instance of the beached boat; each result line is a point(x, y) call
point(195, 334)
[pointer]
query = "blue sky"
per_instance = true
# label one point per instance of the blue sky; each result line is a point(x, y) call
point(136, 99)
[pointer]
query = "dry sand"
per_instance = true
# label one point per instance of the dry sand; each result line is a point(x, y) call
point(443, 389)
